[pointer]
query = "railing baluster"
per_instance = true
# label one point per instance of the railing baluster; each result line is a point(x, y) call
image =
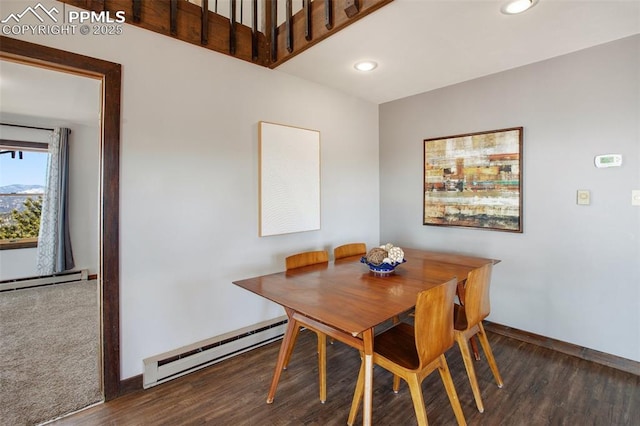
point(137, 10)
point(232, 27)
point(351, 7)
point(289, 25)
point(306, 5)
point(328, 14)
point(204, 31)
point(274, 30)
point(97, 5)
point(173, 17)
point(254, 30)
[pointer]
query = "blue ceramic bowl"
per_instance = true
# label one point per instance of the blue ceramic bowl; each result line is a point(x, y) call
point(383, 268)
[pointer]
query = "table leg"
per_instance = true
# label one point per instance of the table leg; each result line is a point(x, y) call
point(285, 347)
point(367, 338)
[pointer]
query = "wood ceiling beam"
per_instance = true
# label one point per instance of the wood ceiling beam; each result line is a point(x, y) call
point(187, 24)
point(324, 22)
point(317, 20)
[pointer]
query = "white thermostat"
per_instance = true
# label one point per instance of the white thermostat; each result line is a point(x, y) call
point(608, 160)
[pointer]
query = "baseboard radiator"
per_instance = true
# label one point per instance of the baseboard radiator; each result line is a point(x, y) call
point(176, 363)
point(63, 277)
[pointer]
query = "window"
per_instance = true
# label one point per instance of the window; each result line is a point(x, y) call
point(23, 170)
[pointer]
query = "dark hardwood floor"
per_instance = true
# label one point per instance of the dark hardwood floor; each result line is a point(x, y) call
point(541, 387)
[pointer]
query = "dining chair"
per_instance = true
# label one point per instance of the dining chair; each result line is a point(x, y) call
point(413, 352)
point(306, 258)
point(468, 323)
point(348, 250)
point(300, 260)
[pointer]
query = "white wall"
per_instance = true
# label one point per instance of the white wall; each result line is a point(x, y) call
point(83, 189)
point(574, 273)
point(189, 183)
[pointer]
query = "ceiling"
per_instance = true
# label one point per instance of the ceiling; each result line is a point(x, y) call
point(422, 45)
point(425, 45)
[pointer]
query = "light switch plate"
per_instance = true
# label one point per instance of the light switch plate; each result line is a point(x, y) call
point(635, 197)
point(583, 197)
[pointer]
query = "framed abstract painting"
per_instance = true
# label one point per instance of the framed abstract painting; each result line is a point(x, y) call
point(474, 180)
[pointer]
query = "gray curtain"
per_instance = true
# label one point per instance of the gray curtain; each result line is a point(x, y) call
point(54, 241)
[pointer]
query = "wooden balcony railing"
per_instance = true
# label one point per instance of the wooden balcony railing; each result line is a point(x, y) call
point(263, 32)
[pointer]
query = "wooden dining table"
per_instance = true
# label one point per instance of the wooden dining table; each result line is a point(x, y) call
point(346, 301)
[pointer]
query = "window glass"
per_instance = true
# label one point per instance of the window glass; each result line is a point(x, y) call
point(22, 185)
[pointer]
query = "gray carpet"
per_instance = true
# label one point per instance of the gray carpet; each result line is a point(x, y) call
point(49, 352)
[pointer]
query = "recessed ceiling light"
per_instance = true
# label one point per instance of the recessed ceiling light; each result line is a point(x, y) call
point(517, 6)
point(365, 65)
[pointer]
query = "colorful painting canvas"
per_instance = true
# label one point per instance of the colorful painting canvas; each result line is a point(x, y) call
point(474, 180)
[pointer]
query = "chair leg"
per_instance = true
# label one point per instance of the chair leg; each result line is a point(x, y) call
point(463, 343)
point(322, 366)
point(482, 336)
point(474, 348)
point(418, 400)
point(445, 375)
point(357, 396)
point(396, 383)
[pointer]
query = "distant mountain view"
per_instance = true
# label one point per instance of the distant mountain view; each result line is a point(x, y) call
point(22, 192)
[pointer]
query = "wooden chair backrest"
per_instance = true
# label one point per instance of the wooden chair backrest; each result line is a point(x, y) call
point(306, 258)
point(476, 294)
point(434, 321)
point(347, 250)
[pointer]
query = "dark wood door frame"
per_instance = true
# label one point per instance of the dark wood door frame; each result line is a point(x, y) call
point(110, 75)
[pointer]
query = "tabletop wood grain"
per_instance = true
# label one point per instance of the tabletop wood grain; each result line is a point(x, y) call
point(347, 296)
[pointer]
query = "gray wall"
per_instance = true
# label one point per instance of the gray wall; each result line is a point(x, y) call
point(574, 273)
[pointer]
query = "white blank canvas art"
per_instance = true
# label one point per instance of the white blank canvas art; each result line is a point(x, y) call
point(289, 179)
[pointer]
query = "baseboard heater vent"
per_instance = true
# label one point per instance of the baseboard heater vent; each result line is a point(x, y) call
point(176, 363)
point(63, 277)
